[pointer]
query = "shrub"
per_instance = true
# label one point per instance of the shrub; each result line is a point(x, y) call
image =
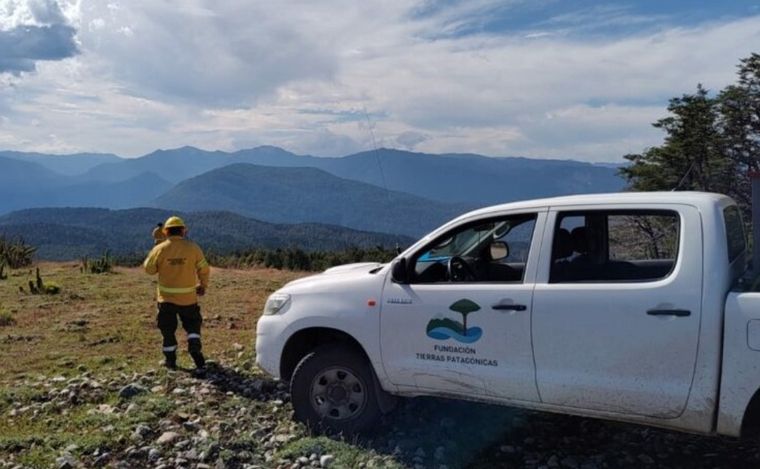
point(6, 318)
point(16, 253)
point(98, 266)
point(39, 287)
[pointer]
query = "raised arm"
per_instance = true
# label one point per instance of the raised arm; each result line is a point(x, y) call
point(151, 262)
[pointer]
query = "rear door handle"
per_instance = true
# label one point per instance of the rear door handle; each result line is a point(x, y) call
point(509, 307)
point(669, 312)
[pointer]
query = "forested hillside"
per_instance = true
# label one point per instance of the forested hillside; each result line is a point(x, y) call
point(69, 233)
point(297, 195)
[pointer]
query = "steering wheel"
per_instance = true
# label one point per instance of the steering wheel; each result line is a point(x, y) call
point(460, 270)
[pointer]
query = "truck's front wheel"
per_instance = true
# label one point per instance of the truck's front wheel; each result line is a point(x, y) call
point(332, 390)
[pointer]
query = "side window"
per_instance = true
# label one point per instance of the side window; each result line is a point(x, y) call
point(615, 246)
point(734, 232)
point(493, 250)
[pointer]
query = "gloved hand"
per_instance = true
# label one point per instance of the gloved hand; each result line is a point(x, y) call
point(200, 291)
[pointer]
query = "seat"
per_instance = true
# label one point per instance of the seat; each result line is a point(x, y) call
point(561, 251)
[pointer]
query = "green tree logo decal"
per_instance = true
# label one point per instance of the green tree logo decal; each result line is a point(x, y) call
point(446, 328)
point(464, 307)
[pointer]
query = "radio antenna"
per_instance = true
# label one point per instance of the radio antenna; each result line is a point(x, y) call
point(686, 174)
point(376, 151)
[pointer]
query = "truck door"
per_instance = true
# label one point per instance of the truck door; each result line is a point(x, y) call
point(616, 311)
point(461, 325)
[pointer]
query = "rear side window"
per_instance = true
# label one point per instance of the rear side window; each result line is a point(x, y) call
point(615, 246)
point(734, 232)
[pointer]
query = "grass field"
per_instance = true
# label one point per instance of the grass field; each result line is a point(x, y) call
point(106, 322)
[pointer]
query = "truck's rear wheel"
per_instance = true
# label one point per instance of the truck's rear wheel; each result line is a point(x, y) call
point(332, 390)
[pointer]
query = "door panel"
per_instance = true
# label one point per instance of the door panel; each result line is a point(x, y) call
point(495, 358)
point(614, 346)
point(464, 338)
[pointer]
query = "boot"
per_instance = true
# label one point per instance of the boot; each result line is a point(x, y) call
point(199, 359)
point(170, 360)
point(194, 347)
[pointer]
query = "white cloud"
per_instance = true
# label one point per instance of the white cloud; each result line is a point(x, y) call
point(33, 31)
point(301, 74)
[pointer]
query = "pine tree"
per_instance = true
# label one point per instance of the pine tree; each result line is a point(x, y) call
point(691, 157)
point(739, 109)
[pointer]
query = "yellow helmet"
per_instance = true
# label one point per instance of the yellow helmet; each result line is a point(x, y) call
point(174, 222)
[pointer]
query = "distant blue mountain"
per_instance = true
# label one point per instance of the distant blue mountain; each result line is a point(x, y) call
point(25, 184)
point(307, 195)
point(456, 178)
point(473, 179)
point(69, 165)
point(173, 165)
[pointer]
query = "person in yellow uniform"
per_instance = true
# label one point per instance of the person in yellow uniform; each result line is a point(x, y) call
point(158, 234)
point(183, 275)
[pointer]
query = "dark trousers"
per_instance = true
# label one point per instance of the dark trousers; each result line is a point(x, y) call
point(191, 319)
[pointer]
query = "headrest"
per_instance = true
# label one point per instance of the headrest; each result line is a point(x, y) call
point(563, 244)
point(580, 240)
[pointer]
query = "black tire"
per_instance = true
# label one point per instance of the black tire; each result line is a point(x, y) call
point(333, 391)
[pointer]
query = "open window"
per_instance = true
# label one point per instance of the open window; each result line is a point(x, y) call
point(614, 246)
point(493, 250)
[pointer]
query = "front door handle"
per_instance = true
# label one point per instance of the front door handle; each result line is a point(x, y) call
point(509, 307)
point(669, 312)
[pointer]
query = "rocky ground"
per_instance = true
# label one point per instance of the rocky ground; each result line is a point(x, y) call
point(235, 417)
point(539, 440)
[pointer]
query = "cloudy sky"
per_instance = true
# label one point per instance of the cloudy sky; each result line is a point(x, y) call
point(539, 78)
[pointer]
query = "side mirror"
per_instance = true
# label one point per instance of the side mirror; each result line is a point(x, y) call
point(399, 273)
point(499, 250)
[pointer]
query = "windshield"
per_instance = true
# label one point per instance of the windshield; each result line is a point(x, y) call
point(467, 241)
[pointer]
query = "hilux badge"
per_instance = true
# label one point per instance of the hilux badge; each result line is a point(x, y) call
point(399, 301)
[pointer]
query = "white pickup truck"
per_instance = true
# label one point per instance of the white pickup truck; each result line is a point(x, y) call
point(617, 306)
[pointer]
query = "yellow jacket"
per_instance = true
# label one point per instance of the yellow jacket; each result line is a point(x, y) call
point(181, 267)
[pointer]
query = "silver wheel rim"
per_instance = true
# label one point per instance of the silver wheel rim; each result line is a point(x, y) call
point(337, 393)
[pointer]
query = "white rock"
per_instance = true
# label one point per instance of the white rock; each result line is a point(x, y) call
point(326, 460)
point(154, 454)
point(168, 438)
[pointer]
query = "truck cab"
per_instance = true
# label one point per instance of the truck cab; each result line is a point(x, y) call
point(616, 306)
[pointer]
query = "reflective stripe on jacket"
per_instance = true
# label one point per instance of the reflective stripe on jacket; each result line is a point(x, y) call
point(181, 267)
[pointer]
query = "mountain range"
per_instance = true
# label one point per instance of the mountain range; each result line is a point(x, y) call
point(27, 184)
point(384, 190)
point(69, 165)
point(455, 178)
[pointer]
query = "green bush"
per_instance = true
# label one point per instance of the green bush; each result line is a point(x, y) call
point(97, 266)
point(40, 287)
